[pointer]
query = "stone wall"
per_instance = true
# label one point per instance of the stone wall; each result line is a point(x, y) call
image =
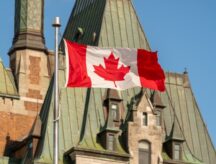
point(151, 133)
point(32, 74)
point(97, 159)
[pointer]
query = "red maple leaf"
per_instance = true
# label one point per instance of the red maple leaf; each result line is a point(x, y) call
point(111, 72)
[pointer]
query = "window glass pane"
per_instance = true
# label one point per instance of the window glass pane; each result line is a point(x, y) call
point(144, 145)
point(110, 142)
point(177, 147)
point(145, 119)
point(176, 155)
point(158, 119)
point(114, 106)
point(176, 151)
point(144, 152)
point(144, 157)
point(114, 112)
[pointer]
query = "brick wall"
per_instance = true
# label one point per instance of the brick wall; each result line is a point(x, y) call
point(14, 126)
point(32, 75)
point(32, 93)
point(34, 69)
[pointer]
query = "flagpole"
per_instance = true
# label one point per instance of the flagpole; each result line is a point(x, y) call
point(56, 25)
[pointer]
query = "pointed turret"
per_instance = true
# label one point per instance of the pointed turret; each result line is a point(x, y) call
point(106, 23)
point(28, 54)
point(28, 27)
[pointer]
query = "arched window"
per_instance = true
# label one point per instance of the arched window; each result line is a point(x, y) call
point(144, 152)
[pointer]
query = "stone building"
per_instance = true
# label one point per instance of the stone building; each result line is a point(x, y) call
point(98, 126)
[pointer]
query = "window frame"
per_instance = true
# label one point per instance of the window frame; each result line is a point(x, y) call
point(179, 151)
point(158, 119)
point(144, 115)
point(116, 111)
point(143, 150)
point(110, 143)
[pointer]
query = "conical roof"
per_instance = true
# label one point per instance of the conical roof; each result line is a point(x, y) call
point(115, 24)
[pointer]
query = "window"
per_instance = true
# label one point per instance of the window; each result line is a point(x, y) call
point(176, 152)
point(158, 119)
point(144, 152)
point(110, 142)
point(145, 119)
point(114, 112)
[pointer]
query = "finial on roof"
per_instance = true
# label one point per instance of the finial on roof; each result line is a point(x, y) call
point(94, 35)
point(0, 59)
point(185, 71)
point(80, 30)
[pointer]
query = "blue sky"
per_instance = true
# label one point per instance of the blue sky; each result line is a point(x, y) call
point(183, 32)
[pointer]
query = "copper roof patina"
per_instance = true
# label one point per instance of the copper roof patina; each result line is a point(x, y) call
point(116, 24)
point(7, 84)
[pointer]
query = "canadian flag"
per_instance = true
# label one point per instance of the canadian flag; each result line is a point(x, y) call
point(116, 68)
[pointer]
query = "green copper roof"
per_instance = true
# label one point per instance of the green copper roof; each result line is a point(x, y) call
point(7, 85)
point(114, 22)
point(28, 16)
point(182, 107)
point(80, 120)
point(116, 25)
point(175, 133)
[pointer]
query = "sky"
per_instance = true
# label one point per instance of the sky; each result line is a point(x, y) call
point(182, 31)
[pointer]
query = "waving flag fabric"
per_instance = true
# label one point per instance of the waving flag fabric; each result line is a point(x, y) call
point(116, 68)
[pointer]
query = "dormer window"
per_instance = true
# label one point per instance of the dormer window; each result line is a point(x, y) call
point(173, 148)
point(145, 119)
point(108, 137)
